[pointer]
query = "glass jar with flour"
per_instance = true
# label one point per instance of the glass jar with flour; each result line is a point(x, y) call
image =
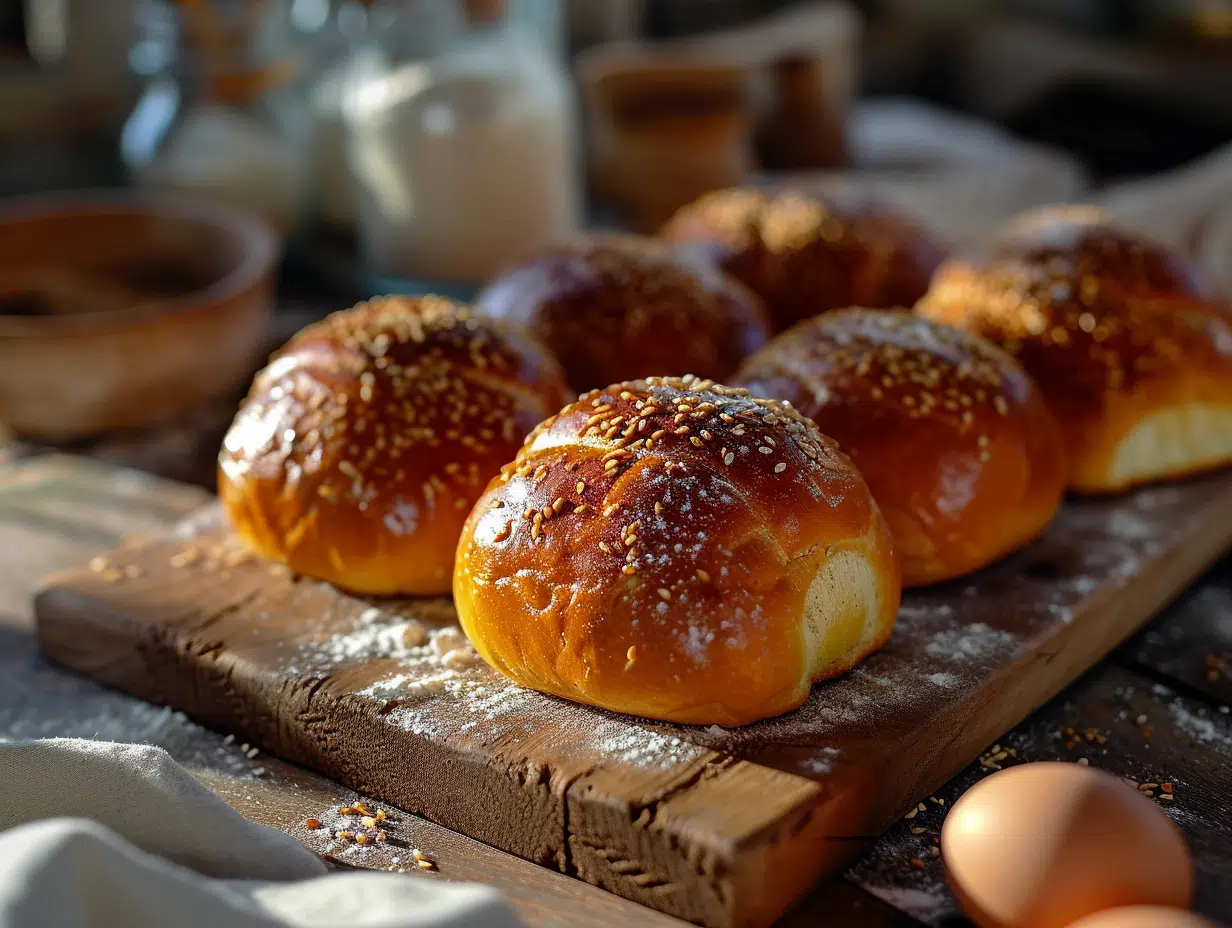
point(461, 141)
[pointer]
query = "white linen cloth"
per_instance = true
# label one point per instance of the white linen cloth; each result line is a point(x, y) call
point(101, 835)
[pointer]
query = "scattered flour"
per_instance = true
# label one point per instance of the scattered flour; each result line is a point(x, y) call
point(1199, 726)
point(382, 634)
point(910, 611)
point(821, 763)
point(932, 904)
point(944, 680)
point(1083, 585)
point(72, 707)
point(974, 642)
point(1127, 525)
point(639, 747)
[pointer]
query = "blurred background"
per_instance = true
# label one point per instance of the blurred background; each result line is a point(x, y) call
point(187, 183)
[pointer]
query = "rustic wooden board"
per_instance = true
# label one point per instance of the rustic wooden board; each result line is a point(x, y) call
point(722, 827)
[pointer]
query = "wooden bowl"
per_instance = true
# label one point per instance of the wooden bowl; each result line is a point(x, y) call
point(120, 310)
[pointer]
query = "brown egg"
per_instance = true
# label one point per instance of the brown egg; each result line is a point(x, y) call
point(1043, 845)
point(1143, 916)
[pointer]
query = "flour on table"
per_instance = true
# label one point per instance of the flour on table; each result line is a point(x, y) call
point(932, 904)
point(391, 634)
point(822, 762)
point(640, 747)
point(973, 642)
point(1200, 726)
point(72, 707)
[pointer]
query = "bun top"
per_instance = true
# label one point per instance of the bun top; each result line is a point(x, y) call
point(369, 436)
point(1084, 304)
point(685, 422)
point(805, 253)
point(391, 386)
point(1082, 243)
point(896, 361)
point(618, 307)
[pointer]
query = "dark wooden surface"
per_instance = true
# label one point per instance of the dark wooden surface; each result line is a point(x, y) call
point(1141, 536)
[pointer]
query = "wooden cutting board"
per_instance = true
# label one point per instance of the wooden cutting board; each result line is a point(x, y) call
point(722, 827)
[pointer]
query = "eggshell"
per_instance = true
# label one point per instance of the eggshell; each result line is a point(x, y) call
point(1043, 845)
point(1143, 916)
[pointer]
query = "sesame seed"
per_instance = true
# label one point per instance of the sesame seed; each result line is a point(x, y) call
point(728, 458)
point(780, 467)
point(664, 594)
point(703, 576)
point(764, 450)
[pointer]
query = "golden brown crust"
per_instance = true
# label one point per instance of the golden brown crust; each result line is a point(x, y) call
point(806, 254)
point(364, 443)
point(1115, 331)
point(955, 441)
point(618, 307)
point(1081, 241)
point(655, 549)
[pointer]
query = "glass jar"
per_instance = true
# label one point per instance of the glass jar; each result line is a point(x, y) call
point(221, 116)
point(341, 32)
point(461, 140)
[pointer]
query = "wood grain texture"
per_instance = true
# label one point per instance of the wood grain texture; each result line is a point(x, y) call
point(716, 826)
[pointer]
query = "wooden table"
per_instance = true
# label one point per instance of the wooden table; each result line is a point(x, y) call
point(1156, 711)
